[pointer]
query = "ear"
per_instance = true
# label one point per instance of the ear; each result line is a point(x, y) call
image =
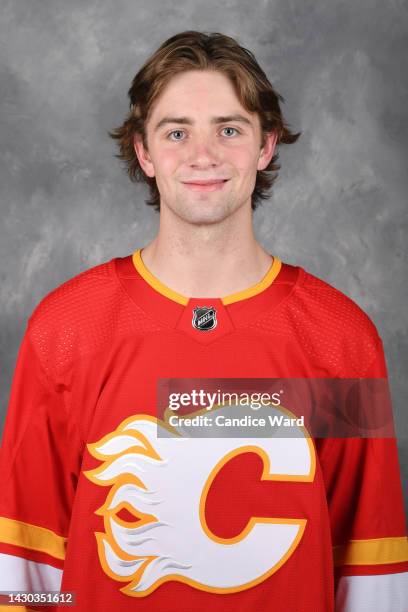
point(143, 156)
point(267, 150)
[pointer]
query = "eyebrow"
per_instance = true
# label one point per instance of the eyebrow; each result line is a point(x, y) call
point(214, 120)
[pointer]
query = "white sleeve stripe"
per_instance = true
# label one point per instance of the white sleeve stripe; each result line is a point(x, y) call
point(382, 593)
point(18, 574)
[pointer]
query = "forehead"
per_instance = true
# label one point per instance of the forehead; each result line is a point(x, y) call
point(198, 91)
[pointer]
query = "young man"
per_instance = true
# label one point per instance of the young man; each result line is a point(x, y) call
point(95, 499)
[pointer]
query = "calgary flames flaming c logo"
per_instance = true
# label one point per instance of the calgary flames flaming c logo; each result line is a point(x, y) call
point(163, 482)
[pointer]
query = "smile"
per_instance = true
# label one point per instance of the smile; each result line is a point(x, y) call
point(206, 186)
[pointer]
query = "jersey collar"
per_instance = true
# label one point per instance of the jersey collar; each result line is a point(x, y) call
point(156, 284)
point(171, 309)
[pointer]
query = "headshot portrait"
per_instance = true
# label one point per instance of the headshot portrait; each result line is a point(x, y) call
point(203, 307)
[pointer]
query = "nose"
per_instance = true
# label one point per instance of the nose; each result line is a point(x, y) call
point(203, 153)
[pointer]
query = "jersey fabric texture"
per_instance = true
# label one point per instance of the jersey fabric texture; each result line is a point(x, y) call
point(93, 501)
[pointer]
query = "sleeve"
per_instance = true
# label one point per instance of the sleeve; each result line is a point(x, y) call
point(39, 466)
point(365, 502)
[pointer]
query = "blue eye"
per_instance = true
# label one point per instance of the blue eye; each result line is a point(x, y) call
point(182, 132)
point(231, 128)
point(175, 132)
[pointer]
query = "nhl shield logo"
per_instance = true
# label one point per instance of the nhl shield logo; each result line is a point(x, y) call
point(204, 318)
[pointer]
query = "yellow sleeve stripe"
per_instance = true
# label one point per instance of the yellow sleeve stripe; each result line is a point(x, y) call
point(32, 537)
point(6, 608)
point(371, 552)
point(14, 608)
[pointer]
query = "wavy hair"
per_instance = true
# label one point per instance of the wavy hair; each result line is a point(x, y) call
point(192, 50)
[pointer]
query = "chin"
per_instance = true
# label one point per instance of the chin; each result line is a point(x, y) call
point(205, 213)
point(205, 216)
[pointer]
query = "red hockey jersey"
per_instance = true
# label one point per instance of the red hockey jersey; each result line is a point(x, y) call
point(94, 501)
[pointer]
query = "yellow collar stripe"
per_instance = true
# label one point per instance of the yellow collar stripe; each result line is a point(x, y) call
point(154, 282)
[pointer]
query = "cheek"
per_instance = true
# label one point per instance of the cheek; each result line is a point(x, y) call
point(168, 161)
point(163, 156)
point(244, 160)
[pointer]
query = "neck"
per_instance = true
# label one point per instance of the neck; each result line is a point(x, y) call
point(207, 260)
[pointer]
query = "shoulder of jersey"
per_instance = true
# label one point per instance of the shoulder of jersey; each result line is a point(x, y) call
point(82, 315)
point(329, 326)
point(335, 305)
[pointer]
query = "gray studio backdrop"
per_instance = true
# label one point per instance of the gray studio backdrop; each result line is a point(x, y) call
point(339, 207)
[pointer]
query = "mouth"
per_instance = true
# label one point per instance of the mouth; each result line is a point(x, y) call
point(202, 185)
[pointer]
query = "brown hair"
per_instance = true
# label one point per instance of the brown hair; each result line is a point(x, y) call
point(193, 50)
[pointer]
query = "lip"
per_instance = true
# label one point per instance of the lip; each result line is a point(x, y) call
point(205, 185)
point(206, 181)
